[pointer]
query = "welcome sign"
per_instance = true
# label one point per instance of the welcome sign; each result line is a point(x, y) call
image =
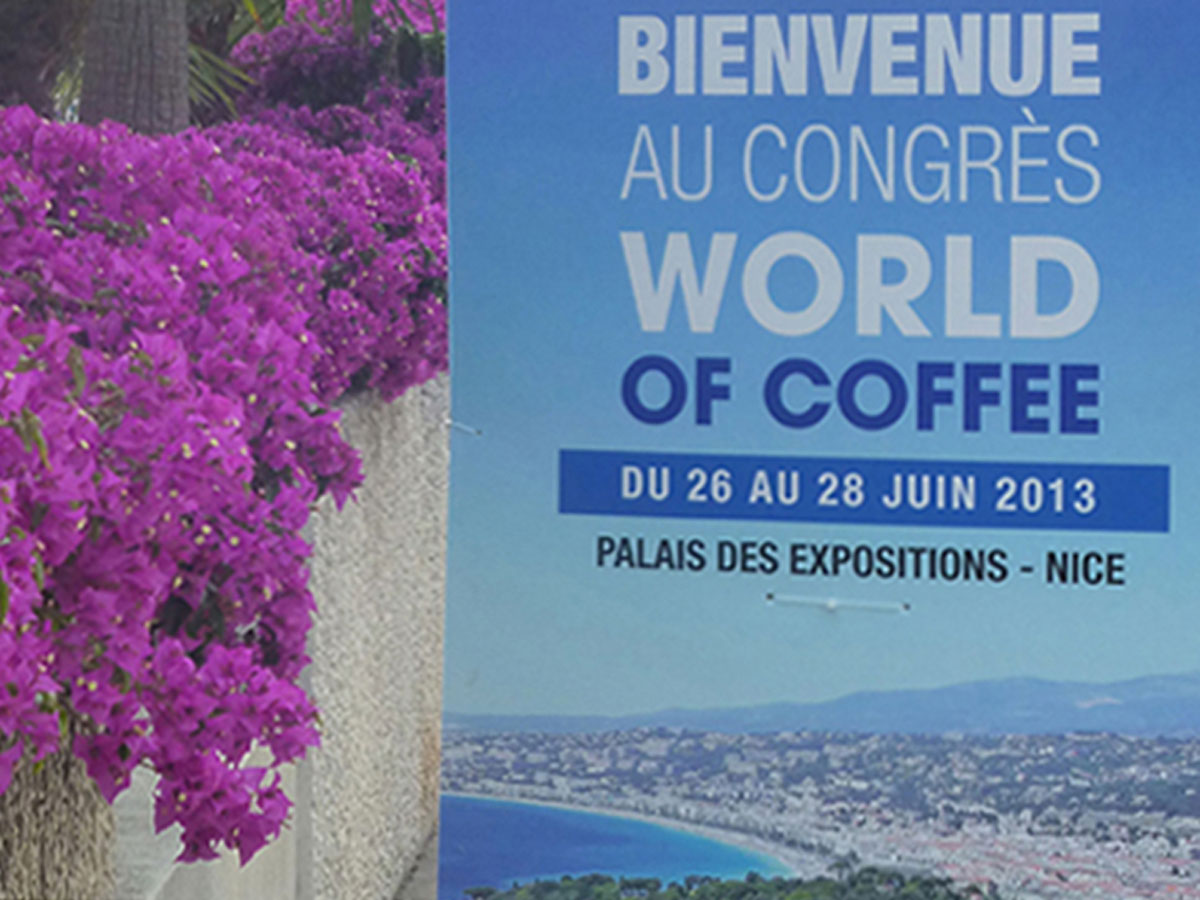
point(823, 504)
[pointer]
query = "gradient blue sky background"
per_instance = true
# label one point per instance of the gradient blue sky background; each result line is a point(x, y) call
point(544, 325)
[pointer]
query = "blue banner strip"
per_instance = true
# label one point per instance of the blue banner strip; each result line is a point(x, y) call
point(941, 493)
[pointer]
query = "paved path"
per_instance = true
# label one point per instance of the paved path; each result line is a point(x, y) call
point(422, 883)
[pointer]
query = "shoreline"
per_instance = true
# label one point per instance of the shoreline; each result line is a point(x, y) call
point(797, 863)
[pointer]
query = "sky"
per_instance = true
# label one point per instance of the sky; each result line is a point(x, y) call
point(545, 324)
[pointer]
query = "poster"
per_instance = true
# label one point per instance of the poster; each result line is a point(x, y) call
point(824, 498)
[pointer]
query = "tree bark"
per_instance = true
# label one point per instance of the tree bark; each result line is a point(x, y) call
point(135, 65)
point(56, 833)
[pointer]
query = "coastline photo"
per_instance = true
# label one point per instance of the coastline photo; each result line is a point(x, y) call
point(1037, 812)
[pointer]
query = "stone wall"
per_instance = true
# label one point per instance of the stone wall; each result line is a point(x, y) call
point(379, 579)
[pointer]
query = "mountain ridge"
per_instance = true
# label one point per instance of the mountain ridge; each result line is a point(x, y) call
point(1153, 705)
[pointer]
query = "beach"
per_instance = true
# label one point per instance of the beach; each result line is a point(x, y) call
point(798, 863)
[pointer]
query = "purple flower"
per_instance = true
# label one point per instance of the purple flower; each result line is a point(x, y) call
point(178, 317)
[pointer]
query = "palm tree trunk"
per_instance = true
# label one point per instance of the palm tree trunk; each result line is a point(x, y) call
point(135, 65)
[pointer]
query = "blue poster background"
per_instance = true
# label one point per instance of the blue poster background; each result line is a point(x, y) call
point(848, 586)
point(545, 326)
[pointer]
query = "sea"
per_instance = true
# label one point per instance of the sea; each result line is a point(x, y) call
point(494, 843)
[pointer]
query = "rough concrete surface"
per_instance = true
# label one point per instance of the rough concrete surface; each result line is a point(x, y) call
point(379, 578)
point(56, 834)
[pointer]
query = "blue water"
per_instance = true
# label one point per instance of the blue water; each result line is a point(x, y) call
point(492, 843)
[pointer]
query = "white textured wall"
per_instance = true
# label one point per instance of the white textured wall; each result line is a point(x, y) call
point(146, 869)
point(379, 578)
point(366, 801)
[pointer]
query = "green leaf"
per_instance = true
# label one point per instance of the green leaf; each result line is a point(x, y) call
point(5, 599)
point(433, 19)
point(213, 80)
point(402, 15)
point(255, 15)
point(39, 572)
point(30, 429)
point(68, 85)
point(361, 16)
point(78, 374)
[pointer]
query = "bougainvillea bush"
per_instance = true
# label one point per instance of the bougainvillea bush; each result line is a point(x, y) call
point(425, 15)
point(324, 85)
point(178, 316)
